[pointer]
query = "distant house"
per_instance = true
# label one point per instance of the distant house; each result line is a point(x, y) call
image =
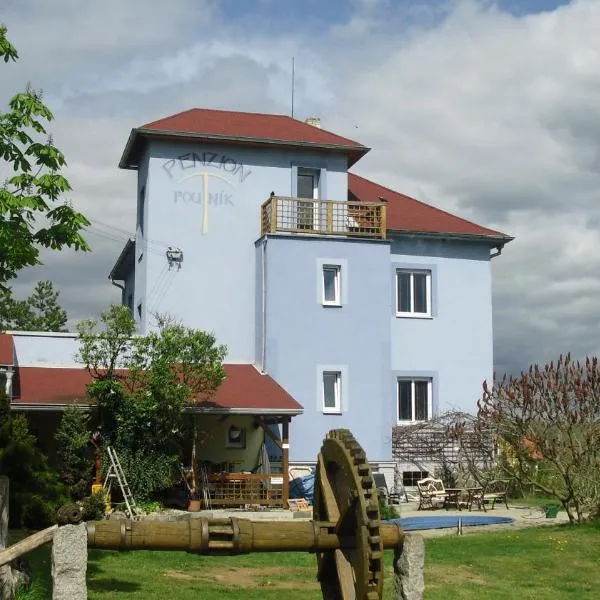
point(369, 308)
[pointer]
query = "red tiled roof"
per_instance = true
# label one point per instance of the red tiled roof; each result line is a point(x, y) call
point(6, 349)
point(244, 388)
point(409, 215)
point(242, 127)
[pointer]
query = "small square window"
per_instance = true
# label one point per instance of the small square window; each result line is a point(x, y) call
point(332, 392)
point(139, 310)
point(413, 293)
point(414, 400)
point(236, 437)
point(331, 285)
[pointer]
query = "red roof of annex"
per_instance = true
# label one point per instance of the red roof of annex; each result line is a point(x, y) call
point(244, 388)
point(405, 214)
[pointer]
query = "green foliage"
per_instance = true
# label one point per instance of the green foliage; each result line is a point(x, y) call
point(141, 386)
point(31, 215)
point(75, 453)
point(93, 507)
point(105, 345)
point(35, 490)
point(150, 507)
point(147, 471)
point(387, 511)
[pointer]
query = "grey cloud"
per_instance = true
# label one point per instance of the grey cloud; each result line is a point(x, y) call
point(485, 114)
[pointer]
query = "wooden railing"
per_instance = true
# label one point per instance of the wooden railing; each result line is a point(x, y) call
point(239, 489)
point(323, 217)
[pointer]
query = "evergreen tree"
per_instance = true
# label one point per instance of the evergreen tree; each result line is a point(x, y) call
point(35, 490)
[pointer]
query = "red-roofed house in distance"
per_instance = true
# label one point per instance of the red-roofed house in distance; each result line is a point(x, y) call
point(371, 309)
point(42, 376)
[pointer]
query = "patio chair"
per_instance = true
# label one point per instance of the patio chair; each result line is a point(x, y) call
point(431, 493)
point(494, 491)
point(382, 489)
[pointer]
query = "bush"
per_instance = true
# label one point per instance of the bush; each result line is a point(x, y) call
point(94, 507)
point(146, 472)
point(387, 511)
point(35, 490)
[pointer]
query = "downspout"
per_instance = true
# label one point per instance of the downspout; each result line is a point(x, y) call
point(264, 306)
point(122, 288)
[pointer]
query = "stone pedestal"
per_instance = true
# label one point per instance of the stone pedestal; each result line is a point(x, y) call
point(409, 568)
point(69, 563)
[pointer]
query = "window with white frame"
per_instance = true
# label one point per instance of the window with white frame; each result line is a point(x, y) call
point(413, 293)
point(307, 186)
point(332, 392)
point(414, 400)
point(332, 285)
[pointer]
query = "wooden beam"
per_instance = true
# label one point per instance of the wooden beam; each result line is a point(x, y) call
point(285, 463)
point(268, 431)
point(27, 545)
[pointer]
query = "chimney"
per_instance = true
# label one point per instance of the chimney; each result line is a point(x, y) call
point(314, 121)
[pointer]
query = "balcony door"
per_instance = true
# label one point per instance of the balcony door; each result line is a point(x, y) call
point(308, 187)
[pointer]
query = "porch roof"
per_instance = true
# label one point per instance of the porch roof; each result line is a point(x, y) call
point(244, 390)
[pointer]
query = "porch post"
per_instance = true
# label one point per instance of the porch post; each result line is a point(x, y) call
point(285, 464)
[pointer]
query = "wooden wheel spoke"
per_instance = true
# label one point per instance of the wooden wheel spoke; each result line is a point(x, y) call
point(345, 576)
point(329, 505)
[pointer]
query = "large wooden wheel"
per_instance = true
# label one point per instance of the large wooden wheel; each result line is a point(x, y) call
point(345, 494)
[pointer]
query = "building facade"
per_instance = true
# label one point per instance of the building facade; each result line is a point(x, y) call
point(370, 308)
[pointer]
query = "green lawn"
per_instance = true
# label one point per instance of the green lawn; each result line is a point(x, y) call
point(542, 563)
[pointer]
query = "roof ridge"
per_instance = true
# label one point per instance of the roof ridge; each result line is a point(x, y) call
point(260, 114)
point(427, 205)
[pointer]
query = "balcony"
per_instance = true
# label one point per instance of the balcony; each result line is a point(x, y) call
point(323, 217)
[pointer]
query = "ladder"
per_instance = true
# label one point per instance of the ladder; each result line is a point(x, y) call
point(115, 471)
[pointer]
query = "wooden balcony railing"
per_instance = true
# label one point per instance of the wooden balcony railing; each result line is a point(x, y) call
point(323, 217)
point(240, 489)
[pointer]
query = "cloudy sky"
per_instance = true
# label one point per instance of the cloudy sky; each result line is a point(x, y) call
point(487, 109)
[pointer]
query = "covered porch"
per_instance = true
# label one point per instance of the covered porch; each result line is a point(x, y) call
point(240, 460)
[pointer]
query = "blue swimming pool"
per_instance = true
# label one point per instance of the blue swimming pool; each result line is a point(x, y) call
point(446, 521)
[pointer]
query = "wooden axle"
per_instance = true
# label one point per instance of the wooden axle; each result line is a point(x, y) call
point(229, 536)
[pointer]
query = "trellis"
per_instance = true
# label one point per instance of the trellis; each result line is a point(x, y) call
point(449, 446)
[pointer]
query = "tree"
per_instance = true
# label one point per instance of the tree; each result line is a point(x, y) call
point(75, 455)
point(142, 385)
point(35, 491)
point(39, 312)
point(547, 425)
point(31, 215)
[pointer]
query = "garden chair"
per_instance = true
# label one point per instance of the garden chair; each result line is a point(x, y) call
point(382, 489)
point(431, 493)
point(494, 491)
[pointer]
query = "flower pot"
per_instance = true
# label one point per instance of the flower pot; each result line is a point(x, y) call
point(194, 505)
point(551, 510)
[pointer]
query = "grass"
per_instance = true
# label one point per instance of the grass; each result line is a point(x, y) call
point(543, 563)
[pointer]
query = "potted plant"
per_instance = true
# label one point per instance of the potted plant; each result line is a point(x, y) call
point(551, 510)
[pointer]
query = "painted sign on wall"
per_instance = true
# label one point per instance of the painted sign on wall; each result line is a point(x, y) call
point(214, 175)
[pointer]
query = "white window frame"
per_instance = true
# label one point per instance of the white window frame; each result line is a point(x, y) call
point(413, 380)
point(316, 175)
point(337, 408)
point(412, 313)
point(337, 301)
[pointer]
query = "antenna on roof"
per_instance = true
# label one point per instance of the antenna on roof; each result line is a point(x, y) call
point(293, 81)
